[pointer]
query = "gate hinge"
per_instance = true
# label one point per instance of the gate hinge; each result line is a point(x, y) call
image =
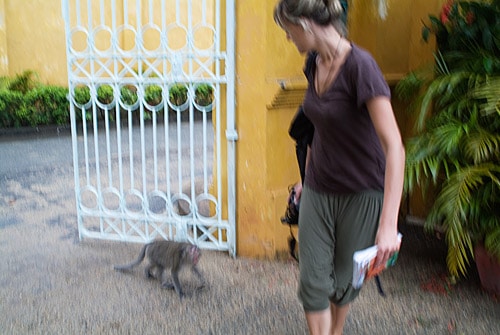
point(231, 135)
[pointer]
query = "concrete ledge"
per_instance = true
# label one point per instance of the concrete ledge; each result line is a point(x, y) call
point(41, 130)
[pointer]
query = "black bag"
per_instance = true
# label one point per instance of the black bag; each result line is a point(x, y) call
point(302, 131)
point(291, 216)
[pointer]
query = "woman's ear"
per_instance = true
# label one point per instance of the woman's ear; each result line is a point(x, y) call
point(305, 24)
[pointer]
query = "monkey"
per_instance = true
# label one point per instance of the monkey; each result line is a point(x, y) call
point(163, 255)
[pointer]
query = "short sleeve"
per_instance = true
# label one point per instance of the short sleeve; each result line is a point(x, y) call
point(368, 79)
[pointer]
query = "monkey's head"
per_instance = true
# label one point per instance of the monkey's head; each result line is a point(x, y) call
point(194, 254)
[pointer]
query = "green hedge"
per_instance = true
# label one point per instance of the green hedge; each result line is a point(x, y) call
point(44, 105)
point(47, 105)
point(26, 102)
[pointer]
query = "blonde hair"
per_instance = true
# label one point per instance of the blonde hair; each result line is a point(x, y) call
point(322, 12)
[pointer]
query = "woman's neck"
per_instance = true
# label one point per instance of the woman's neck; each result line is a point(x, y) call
point(330, 45)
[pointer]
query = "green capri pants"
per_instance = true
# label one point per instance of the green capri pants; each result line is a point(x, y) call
point(331, 229)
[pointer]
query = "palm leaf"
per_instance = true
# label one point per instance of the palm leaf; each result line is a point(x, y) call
point(452, 210)
point(456, 108)
point(422, 162)
point(447, 138)
point(482, 146)
point(457, 257)
point(444, 90)
point(490, 93)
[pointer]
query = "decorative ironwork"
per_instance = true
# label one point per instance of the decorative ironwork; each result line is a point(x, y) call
point(146, 149)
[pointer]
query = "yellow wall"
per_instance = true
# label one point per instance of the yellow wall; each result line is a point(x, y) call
point(32, 37)
point(395, 42)
point(35, 39)
point(397, 45)
point(4, 60)
point(265, 158)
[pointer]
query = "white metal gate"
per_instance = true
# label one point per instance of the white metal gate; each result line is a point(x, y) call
point(149, 156)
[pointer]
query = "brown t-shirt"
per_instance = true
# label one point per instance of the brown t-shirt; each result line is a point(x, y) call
point(346, 155)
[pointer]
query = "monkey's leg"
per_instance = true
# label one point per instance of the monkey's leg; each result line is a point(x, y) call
point(177, 284)
point(164, 281)
point(200, 277)
point(149, 271)
point(168, 285)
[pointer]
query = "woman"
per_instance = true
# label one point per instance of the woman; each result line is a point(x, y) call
point(355, 166)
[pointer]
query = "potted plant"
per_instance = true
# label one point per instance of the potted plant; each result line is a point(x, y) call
point(456, 147)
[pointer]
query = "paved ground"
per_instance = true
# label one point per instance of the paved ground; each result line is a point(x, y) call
point(51, 283)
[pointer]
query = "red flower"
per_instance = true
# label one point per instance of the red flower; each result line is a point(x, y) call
point(470, 18)
point(445, 12)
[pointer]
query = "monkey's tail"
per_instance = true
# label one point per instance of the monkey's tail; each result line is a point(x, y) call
point(136, 262)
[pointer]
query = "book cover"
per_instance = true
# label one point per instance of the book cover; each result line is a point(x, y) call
point(364, 265)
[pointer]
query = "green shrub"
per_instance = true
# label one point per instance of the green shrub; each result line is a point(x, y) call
point(178, 94)
point(26, 102)
point(81, 94)
point(24, 82)
point(47, 105)
point(128, 95)
point(152, 95)
point(10, 103)
point(204, 94)
point(4, 83)
point(105, 94)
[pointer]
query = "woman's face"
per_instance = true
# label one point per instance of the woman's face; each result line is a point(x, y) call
point(300, 37)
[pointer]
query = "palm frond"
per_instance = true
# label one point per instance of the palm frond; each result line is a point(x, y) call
point(441, 66)
point(456, 108)
point(459, 253)
point(443, 91)
point(452, 209)
point(447, 138)
point(422, 162)
point(482, 146)
point(410, 85)
point(489, 92)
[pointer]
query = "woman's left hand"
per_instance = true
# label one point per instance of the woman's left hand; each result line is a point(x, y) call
point(388, 244)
